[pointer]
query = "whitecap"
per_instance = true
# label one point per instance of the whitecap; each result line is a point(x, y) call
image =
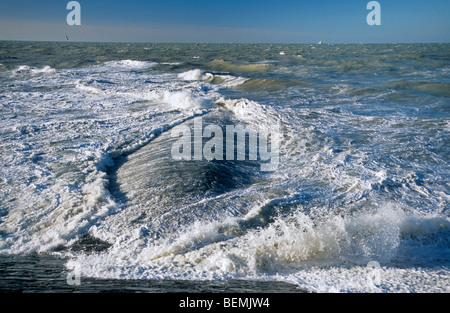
point(182, 100)
point(130, 64)
point(196, 75)
point(44, 70)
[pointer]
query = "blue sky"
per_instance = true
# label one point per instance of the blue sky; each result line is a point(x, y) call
point(253, 21)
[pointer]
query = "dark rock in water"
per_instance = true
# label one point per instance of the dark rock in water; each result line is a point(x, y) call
point(89, 244)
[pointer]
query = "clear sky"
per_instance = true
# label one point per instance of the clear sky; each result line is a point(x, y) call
point(252, 21)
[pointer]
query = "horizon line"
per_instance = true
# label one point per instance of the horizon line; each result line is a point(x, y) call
point(223, 43)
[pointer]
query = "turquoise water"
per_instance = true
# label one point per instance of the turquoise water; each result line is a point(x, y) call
point(87, 173)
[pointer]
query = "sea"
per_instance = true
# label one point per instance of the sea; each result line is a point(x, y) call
point(89, 186)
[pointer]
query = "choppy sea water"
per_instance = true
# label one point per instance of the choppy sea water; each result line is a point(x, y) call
point(363, 176)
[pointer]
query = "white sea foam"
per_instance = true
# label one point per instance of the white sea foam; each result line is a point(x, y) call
point(25, 69)
point(196, 75)
point(250, 111)
point(352, 187)
point(229, 81)
point(358, 279)
point(87, 88)
point(46, 69)
point(226, 81)
point(171, 63)
point(22, 68)
point(59, 165)
point(307, 251)
point(130, 64)
point(182, 100)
